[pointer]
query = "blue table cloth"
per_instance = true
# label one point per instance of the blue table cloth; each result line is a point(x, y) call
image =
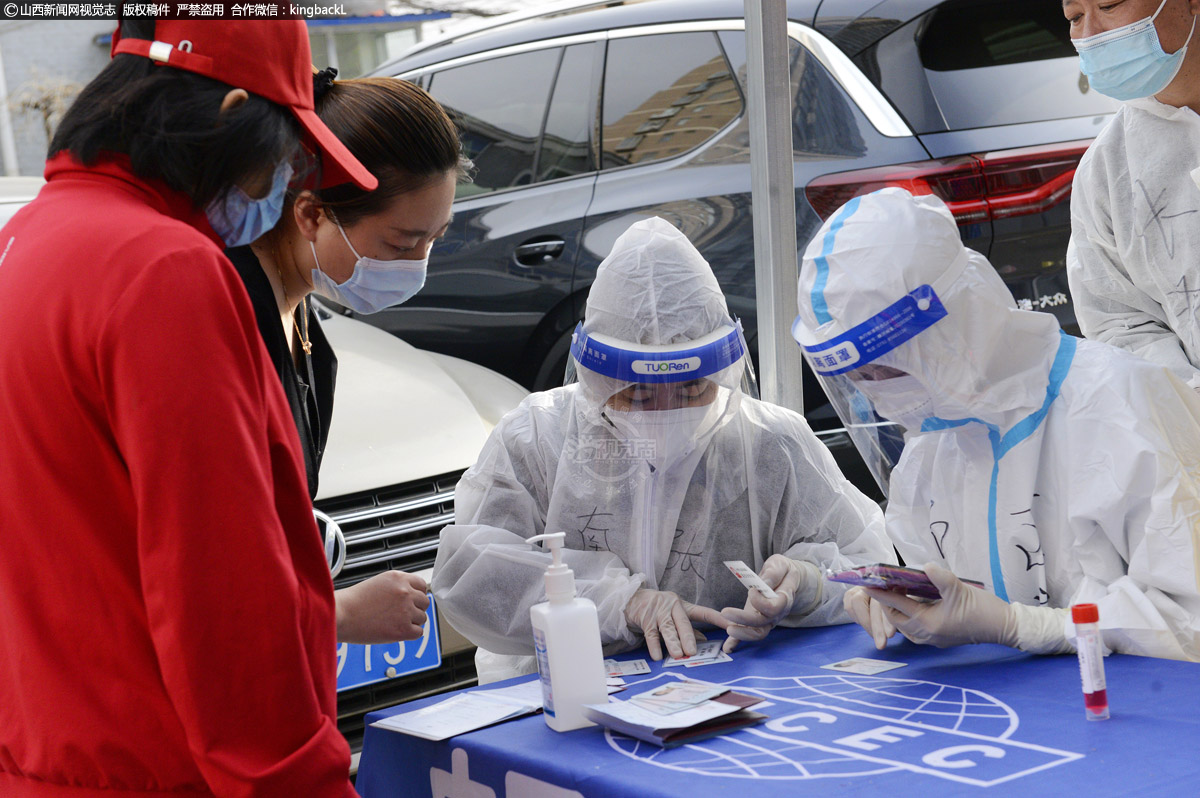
point(973, 720)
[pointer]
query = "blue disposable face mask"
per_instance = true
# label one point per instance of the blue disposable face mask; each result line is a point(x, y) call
point(239, 219)
point(1127, 63)
point(374, 285)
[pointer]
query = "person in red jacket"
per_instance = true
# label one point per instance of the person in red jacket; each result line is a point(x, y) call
point(166, 612)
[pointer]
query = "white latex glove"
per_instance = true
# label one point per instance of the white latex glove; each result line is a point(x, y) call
point(791, 580)
point(383, 609)
point(963, 614)
point(663, 617)
point(868, 614)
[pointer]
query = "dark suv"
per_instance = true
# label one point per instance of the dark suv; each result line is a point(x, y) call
point(583, 121)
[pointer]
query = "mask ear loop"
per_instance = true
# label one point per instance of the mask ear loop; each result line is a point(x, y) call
point(312, 245)
point(345, 237)
point(1191, 33)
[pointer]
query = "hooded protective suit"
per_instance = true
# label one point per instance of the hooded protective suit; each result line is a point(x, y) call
point(751, 480)
point(1135, 236)
point(1054, 470)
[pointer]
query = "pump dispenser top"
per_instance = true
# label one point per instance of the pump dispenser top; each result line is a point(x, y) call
point(560, 580)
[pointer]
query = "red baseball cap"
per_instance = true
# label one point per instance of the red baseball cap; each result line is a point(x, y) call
point(268, 58)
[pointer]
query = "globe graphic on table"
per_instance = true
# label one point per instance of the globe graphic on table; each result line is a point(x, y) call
point(760, 753)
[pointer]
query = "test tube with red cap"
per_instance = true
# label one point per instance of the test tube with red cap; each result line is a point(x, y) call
point(1091, 660)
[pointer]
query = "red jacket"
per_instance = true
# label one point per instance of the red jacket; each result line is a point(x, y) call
point(166, 613)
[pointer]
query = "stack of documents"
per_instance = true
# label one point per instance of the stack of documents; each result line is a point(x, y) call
point(674, 713)
point(468, 711)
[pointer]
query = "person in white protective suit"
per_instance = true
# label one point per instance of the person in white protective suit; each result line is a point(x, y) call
point(658, 467)
point(1052, 469)
point(1134, 258)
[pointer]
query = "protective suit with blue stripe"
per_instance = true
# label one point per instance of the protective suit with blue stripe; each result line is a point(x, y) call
point(1053, 470)
point(659, 465)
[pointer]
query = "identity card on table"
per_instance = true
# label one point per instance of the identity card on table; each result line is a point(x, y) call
point(864, 666)
point(706, 652)
point(672, 697)
point(618, 668)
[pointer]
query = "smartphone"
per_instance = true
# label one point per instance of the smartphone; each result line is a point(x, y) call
point(912, 581)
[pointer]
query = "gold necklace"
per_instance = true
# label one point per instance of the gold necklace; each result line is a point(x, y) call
point(305, 343)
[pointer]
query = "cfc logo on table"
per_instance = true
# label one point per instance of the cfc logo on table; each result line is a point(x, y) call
point(848, 725)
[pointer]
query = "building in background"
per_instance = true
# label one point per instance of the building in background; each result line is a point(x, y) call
point(45, 63)
point(357, 44)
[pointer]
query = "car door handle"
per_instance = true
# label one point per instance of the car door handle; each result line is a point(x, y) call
point(535, 253)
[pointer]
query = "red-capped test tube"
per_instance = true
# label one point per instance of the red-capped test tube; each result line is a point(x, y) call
point(1091, 660)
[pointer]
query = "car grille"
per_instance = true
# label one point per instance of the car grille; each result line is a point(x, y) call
point(394, 527)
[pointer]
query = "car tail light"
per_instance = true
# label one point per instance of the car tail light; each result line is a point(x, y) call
point(977, 188)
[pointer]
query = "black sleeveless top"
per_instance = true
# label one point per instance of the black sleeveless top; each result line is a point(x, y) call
point(309, 389)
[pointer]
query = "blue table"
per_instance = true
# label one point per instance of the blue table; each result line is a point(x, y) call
point(974, 720)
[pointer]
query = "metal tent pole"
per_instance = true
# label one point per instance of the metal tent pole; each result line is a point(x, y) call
point(774, 200)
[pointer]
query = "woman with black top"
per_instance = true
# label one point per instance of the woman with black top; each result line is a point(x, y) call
point(366, 251)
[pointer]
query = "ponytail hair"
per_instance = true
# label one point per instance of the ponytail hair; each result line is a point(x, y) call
point(396, 130)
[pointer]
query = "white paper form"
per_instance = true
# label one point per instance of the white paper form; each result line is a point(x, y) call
point(467, 712)
point(526, 693)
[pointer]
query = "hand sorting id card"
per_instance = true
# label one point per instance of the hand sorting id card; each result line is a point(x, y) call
point(705, 651)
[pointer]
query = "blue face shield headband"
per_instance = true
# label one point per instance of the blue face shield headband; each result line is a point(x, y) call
point(875, 337)
point(658, 364)
point(1129, 62)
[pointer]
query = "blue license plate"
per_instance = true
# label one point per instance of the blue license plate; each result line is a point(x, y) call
point(359, 665)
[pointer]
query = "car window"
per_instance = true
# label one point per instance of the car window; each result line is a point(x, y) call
point(566, 143)
point(664, 95)
point(498, 105)
point(994, 32)
point(1000, 62)
point(824, 121)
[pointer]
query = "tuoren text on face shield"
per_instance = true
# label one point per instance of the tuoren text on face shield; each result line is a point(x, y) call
point(665, 366)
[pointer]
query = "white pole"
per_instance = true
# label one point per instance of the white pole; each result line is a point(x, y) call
point(331, 50)
point(8, 142)
point(774, 201)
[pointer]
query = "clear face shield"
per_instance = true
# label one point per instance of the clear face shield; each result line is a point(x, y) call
point(658, 404)
point(876, 399)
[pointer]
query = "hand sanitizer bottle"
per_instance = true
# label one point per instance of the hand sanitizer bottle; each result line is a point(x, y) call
point(566, 638)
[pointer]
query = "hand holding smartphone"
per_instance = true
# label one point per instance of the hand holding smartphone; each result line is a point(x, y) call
point(911, 581)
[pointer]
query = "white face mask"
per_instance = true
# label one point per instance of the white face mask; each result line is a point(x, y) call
point(903, 400)
point(1129, 62)
point(374, 285)
point(664, 437)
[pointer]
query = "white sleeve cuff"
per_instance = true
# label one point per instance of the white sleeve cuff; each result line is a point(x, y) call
point(1042, 630)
